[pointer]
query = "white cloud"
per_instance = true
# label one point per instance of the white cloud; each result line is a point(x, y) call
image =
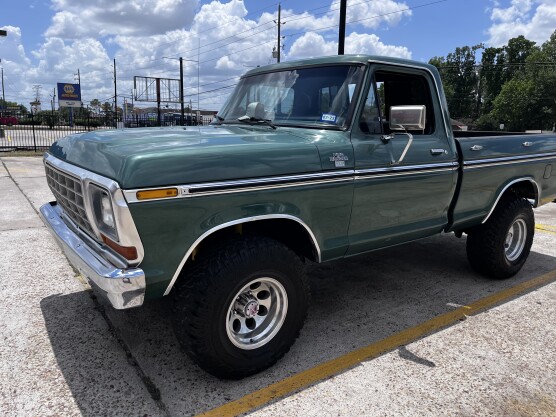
point(368, 14)
point(374, 13)
point(146, 37)
point(11, 47)
point(534, 19)
point(312, 45)
point(119, 17)
point(225, 63)
point(15, 64)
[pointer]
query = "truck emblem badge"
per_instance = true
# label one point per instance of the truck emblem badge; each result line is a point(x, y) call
point(339, 159)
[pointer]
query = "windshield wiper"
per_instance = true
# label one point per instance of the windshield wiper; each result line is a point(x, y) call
point(255, 121)
point(218, 121)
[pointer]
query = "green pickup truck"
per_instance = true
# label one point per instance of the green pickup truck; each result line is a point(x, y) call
point(308, 161)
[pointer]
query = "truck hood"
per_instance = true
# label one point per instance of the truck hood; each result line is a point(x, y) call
point(150, 157)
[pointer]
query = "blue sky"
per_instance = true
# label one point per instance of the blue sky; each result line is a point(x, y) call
point(50, 39)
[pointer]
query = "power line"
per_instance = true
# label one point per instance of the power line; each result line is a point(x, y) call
point(134, 68)
point(259, 28)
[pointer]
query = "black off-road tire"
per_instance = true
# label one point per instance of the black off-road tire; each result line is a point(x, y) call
point(206, 297)
point(491, 250)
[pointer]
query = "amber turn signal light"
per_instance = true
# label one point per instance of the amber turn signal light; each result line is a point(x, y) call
point(160, 193)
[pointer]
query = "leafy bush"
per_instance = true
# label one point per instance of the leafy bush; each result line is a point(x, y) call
point(87, 122)
point(488, 123)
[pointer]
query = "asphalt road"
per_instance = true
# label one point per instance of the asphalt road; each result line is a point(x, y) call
point(407, 331)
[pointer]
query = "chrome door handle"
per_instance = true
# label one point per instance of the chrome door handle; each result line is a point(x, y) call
point(476, 148)
point(439, 152)
point(526, 144)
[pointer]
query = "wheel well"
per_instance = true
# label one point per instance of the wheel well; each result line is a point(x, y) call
point(522, 188)
point(288, 232)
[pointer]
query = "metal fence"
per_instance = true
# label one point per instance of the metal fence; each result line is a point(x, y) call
point(30, 132)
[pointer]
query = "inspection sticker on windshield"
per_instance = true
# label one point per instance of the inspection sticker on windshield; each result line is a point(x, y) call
point(327, 117)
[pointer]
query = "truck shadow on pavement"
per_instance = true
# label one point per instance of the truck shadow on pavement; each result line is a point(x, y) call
point(355, 302)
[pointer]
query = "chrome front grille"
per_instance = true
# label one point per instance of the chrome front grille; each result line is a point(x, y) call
point(68, 191)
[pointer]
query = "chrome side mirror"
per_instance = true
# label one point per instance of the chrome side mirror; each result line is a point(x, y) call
point(255, 110)
point(404, 118)
point(407, 117)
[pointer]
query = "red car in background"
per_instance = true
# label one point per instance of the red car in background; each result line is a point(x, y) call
point(8, 120)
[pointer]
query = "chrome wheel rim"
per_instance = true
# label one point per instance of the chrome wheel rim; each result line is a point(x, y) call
point(515, 240)
point(256, 313)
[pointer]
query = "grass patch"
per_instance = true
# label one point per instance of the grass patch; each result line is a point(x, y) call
point(37, 154)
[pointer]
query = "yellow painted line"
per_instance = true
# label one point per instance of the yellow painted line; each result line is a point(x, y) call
point(325, 370)
point(545, 228)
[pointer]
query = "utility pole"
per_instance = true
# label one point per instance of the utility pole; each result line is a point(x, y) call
point(342, 28)
point(279, 24)
point(181, 91)
point(279, 44)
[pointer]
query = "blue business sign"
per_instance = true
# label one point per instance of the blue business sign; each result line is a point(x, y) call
point(69, 95)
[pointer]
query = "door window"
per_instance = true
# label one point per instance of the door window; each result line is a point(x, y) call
point(395, 89)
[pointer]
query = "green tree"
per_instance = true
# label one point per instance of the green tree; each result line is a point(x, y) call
point(517, 51)
point(95, 105)
point(517, 105)
point(541, 68)
point(461, 81)
point(106, 107)
point(492, 76)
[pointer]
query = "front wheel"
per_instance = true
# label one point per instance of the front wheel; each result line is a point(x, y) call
point(241, 306)
point(500, 247)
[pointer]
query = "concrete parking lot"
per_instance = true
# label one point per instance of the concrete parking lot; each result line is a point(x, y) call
point(407, 331)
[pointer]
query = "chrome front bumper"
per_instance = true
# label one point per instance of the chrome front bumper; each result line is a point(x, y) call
point(124, 288)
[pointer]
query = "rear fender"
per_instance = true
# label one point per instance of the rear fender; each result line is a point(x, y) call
point(526, 187)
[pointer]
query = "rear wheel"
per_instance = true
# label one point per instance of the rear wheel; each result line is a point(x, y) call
point(241, 306)
point(500, 247)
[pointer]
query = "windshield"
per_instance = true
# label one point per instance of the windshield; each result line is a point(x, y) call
point(321, 96)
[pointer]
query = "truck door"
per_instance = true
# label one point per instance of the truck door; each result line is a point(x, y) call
point(399, 201)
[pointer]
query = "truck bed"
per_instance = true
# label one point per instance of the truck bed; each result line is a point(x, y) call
point(490, 162)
